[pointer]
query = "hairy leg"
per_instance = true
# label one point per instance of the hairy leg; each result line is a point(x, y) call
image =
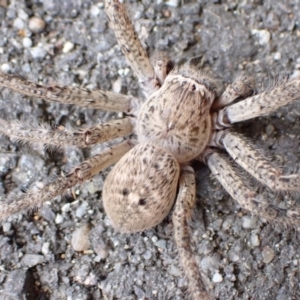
point(184, 205)
point(131, 46)
point(86, 170)
point(260, 104)
point(84, 137)
point(97, 99)
point(242, 87)
point(254, 162)
point(247, 199)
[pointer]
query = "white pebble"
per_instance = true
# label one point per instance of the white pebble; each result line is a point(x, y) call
point(6, 227)
point(249, 222)
point(31, 260)
point(295, 262)
point(95, 10)
point(154, 239)
point(295, 74)
point(263, 36)
point(18, 24)
point(5, 68)
point(117, 85)
point(254, 240)
point(66, 208)
point(36, 24)
point(59, 219)
point(22, 14)
point(38, 52)
point(80, 238)
point(277, 56)
point(45, 248)
point(68, 46)
point(217, 277)
point(268, 254)
point(172, 3)
point(81, 210)
point(27, 42)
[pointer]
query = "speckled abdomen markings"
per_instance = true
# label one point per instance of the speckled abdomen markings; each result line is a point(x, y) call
point(140, 190)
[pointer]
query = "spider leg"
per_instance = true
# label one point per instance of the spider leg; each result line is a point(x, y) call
point(247, 199)
point(260, 104)
point(162, 65)
point(84, 137)
point(254, 162)
point(242, 87)
point(97, 99)
point(184, 205)
point(86, 170)
point(131, 46)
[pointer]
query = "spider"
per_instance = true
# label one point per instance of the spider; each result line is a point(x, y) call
point(181, 119)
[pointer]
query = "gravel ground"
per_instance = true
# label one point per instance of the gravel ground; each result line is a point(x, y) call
point(243, 257)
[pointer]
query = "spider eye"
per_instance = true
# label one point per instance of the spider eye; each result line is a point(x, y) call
point(193, 87)
point(125, 192)
point(142, 201)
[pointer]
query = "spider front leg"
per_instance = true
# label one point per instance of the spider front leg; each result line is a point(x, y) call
point(227, 176)
point(184, 205)
point(83, 137)
point(81, 173)
point(132, 47)
point(253, 162)
point(260, 104)
point(95, 99)
point(242, 87)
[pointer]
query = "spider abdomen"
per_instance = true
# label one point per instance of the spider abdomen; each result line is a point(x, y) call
point(140, 190)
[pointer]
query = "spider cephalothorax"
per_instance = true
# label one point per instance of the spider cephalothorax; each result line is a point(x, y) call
point(181, 119)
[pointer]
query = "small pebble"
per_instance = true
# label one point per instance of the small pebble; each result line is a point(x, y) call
point(22, 14)
point(81, 210)
point(162, 244)
point(95, 10)
point(154, 239)
point(277, 56)
point(249, 222)
point(45, 248)
point(36, 24)
point(27, 42)
point(172, 3)
point(80, 238)
point(38, 52)
point(30, 260)
point(217, 278)
point(268, 254)
point(6, 227)
point(18, 24)
point(263, 36)
point(270, 129)
point(117, 85)
point(59, 219)
point(68, 46)
point(66, 208)
point(102, 251)
point(147, 255)
point(295, 262)
point(254, 240)
point(227, 223)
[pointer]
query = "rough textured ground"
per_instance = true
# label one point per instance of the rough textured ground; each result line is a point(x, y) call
point(242, 256)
